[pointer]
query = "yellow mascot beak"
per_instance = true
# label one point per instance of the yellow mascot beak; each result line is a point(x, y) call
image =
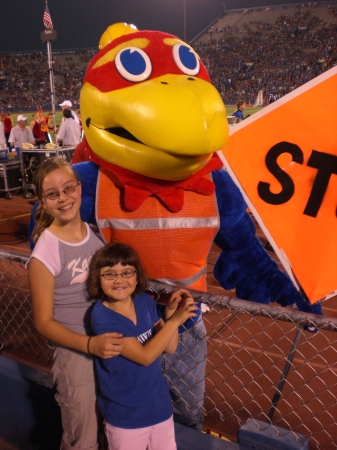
point(166, 127)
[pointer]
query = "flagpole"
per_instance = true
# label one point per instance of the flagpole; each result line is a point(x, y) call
point(48, 35)
point(52, 85)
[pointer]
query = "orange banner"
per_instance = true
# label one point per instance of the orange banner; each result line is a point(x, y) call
point(284, 159)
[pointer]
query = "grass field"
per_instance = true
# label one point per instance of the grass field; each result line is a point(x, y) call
point(29, 115)
point(229, 108)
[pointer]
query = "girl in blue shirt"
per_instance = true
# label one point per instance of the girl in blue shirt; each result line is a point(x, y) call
point(134, 397)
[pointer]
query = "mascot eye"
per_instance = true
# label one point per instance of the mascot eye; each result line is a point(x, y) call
point(133, 64)
point(186, 59)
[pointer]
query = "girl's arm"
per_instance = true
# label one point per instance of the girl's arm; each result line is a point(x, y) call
point(171, 306)
point(149, 352)
point(42, 295)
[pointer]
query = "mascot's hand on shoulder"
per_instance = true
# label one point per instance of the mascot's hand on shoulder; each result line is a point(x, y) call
point(153, 123)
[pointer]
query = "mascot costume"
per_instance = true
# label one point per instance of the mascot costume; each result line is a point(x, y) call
point(153, 124)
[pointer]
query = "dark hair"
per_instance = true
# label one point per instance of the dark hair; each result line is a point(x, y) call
point(66, 113)
point(42, 217)
point(109, 256)
point(240, 103)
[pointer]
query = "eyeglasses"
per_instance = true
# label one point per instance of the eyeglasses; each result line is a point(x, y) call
point(113, 276)
point(54, 195)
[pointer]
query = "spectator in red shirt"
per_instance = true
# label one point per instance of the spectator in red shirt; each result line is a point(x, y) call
point(36, 127)
point(8, 125)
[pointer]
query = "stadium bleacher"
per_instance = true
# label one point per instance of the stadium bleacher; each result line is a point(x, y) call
point(286, 45)
point(27, 78)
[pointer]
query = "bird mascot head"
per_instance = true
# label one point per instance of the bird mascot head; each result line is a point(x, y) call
point(148, 106)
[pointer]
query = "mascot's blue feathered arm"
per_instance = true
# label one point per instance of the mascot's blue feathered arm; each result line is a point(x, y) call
point(244, 264)
point(87, 173)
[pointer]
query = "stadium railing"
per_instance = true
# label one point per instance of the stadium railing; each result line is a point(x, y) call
point(262, 363)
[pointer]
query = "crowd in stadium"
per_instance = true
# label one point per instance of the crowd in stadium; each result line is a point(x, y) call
point(27, 78)
point(242, 60)
point(275, 58)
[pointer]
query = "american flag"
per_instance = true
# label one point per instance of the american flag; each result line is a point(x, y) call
point(47, 22)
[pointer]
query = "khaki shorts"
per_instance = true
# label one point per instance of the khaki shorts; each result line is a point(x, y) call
point(73, 375)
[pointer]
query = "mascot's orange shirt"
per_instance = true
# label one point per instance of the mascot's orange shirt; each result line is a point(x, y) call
point(156, 232)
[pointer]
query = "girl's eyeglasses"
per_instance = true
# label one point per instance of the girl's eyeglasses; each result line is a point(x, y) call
point(54, 194)
point(113, 276)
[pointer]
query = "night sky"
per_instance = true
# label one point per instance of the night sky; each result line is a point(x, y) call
point(80, 23)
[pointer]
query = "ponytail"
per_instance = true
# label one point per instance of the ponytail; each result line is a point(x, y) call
point(42, 221)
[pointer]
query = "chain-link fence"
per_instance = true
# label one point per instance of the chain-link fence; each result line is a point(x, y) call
point(18, 337)
point(262, 361)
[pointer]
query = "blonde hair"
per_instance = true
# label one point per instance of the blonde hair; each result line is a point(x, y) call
point(42, 217)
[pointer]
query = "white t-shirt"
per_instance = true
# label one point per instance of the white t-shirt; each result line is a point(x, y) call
point(70, 132)
point(69, 264)
point(19, 136)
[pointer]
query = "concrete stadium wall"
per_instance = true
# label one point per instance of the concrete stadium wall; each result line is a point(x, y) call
point(30, 417)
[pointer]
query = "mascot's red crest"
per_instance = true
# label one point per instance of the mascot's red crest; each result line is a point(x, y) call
point(156, 58)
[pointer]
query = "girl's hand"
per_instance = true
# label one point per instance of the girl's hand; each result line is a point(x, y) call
point(106, 345)
point(175, 299)
point(186, 309)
